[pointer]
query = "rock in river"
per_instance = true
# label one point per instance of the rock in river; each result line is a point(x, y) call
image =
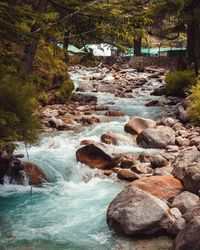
point(135, 211)
point(127, 175)
point(35, 175)
point(136, 125)
point(117, 139)
point(158, 137)
point(184, 160)
point(98, 156)
point(162, 187)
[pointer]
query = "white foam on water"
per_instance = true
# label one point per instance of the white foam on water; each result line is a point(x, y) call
point(70, 212)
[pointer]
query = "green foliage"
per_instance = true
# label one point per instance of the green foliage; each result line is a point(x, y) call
point(49, 62)
point(195, 102)
point(18, 117)
point(177, 82)
point(64, 93)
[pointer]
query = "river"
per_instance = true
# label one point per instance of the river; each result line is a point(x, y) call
point(70, 213)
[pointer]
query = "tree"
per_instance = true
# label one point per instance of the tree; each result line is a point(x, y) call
point(171, 18)
point(30, 49)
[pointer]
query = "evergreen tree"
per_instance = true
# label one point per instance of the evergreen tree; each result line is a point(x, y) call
point(171, 18)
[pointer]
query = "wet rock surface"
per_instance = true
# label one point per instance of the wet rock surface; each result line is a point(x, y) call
point(137, 125)
point(98, 156)
point(162, 187)
point(164, 183)
point(158, 137)
point(20, 172)
point(134, 212)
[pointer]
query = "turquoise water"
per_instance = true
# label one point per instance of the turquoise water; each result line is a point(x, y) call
point(69, 213)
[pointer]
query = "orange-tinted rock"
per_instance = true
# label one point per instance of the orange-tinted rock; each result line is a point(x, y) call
point(86, 142)
point(67, 120)
point(34, 173)
point(89, 120)
point(137, 125)
point(127, 175)
point(98, 156)
point(114, 113)
point(162, 187)
point(107, 172)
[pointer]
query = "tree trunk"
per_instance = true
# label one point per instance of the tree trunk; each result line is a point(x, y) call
point(137, 46)
point(30, 49)
point(193, 42)
point(66, 44)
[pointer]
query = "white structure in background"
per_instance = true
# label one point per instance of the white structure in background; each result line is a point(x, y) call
point(102, 49)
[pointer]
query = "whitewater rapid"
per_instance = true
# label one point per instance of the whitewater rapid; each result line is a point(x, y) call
point(70, 212)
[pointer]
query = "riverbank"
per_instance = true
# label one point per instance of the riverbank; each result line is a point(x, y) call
point(70, 213)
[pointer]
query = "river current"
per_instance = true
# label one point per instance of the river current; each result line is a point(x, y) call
point(69, 213)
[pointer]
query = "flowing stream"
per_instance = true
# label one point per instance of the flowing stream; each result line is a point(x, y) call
point(69, 213)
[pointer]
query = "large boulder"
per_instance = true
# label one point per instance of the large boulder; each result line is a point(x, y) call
point(184, 160)
point(136, 125)
point(162, 187)
point(158, 137)
point(188, 238)
point(117, 139)
point(134, 212)
point(185, 201)
point(98, 155)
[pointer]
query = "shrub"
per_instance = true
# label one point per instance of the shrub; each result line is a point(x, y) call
point(18, 120)
point(64, 92)
point(195, 103)
point(178, 82)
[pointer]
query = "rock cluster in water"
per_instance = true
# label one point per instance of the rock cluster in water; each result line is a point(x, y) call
point(15, 171)
point(161, 193)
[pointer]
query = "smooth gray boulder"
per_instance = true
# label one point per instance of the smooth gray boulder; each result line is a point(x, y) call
point(158, 137)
